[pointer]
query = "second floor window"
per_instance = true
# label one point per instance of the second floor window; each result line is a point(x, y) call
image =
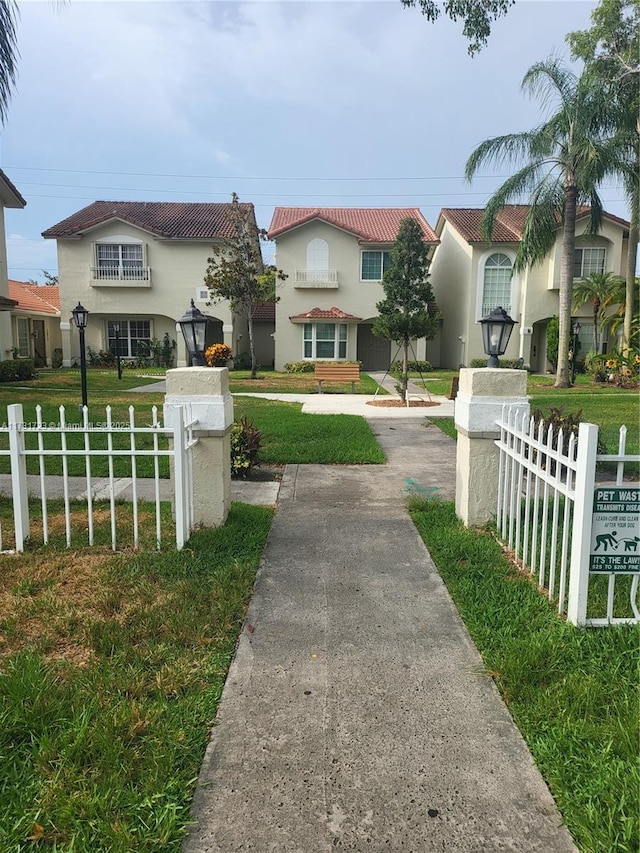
point(120, 261)
point(497, 283)
point(586, 261)
point(374, 265)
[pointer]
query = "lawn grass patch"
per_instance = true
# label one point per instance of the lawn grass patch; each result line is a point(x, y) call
point(572, 692)
point(111, 668)
point(290, 436)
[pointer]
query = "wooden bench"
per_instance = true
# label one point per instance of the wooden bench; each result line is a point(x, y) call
point(337, 373)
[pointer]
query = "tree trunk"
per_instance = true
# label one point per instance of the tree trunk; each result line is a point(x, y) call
point(563, 376)
point(252, 350)
point(405, 370)
point(596, 311)
point(630, 276)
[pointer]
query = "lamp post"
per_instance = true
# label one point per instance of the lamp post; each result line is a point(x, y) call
point(496, 331)
point(575, 329)
point(194, 329)
point(115, 325)
point(80, 317)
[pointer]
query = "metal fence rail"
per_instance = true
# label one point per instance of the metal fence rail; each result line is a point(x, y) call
point(544, 510)
point(122, 441)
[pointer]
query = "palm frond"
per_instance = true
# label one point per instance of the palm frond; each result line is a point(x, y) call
point(9, 13)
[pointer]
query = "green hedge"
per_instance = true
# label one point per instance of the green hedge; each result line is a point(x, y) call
point(413, 366)
point(502, 362)
point(309, 366)
point(17, 370)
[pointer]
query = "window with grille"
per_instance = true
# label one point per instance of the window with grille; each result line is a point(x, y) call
point(374, 265)
point(325, 340)
point(497, 283)
point(120, 261)
point(134, 337)
point(587, 261)
point(23, 337)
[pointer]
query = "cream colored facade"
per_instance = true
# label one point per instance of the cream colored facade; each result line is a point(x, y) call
point(342, 287)
point(457, 278)
point(174, 274)
point(9, 197)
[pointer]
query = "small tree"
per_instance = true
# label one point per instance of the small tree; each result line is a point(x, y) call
point(236, 271)
point(404, 311)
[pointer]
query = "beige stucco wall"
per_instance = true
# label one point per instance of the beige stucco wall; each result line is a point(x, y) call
point(456, 277)
point(177, 275)
point(352, 295)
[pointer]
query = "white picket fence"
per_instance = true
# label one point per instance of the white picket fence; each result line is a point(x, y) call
point(545, 507)
point(121, 439)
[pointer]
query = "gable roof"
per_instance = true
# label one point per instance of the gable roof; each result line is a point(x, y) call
point(325, 314)
point(509, 222)
point(264, 311)
point(9, 195)
point(41, 299)
point(168, 219)
point(368, 224)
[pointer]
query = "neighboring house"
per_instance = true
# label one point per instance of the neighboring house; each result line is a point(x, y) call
point(470, 277)
point(140, 263)
point(36, 322)
point(334, 259)
point(9, 197)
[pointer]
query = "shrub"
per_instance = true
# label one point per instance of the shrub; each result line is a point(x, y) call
point(245, 444)
point(56, 361)
point(594, 364)
point(623, 370)
point(510, 363)
point(553, 341)
point(413, 366)
point(100, 358)
point(17, 369)
point(299, 367)
point(217, 355)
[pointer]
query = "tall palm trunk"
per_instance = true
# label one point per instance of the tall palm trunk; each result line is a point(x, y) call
point(563, 377)
point(630, 273)
point(596, 312)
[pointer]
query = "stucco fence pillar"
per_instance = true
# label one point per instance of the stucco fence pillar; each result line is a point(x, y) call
point(481, 395)
point(205, 390)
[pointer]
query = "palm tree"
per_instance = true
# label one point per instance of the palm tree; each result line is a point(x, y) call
point(8, 53)
point(564, 158)
point(622, 319)
point(596, 288)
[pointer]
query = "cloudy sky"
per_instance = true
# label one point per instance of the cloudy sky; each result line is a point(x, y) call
point(357, 104)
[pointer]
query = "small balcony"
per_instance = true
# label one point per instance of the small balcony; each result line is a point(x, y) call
point(120, 276)
point(313, 279)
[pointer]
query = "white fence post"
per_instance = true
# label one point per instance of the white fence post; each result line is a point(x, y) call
point(15, 419)
point(583, 510)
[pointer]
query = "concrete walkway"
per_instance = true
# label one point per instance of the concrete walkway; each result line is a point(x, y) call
point(357, 714)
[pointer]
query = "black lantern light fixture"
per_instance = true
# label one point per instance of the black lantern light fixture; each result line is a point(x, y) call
point(194, 328)
point(575, 329)
point(496, 331)
point(80, 318)
point(115, 327)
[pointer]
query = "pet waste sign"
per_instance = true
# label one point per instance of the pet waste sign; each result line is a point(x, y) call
point(615, 531)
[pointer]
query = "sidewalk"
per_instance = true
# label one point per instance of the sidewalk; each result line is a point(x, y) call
point(357, 714)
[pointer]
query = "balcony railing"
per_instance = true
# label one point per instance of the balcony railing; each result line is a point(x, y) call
point(316, 278)
point(121, 276)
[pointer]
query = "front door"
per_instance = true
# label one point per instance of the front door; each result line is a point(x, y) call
point(374, 352)
point(39, 344)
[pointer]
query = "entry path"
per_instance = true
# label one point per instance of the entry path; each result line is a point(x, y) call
point(357, 714)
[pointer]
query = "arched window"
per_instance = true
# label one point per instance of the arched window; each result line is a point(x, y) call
point(317, 255)
point(497, 283)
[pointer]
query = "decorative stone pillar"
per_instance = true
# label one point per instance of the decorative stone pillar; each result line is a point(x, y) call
point(205, 391)
point(481, 395)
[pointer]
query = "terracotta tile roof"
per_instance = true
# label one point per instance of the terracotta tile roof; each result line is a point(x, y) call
point(9, 194)
point(323, 314)
point(42, 299)
point(368, 224)
point(509, 223)
point(182, 220)
point(264, 311)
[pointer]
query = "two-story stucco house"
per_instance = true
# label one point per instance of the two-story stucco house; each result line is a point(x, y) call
point(9, 197)
point(140, 264)
point(334, 259)
point(470, 277)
